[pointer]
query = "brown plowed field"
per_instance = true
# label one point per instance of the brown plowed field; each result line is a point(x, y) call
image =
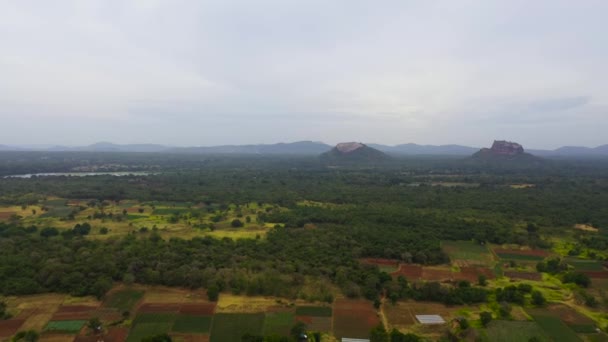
point(304, 319)
point(435, 274)
point(524, 275)
point(159, 307)
point(398, 315)
point(322, 324)
point(597, 274)
point(530, 252)
point(354, 318)
point(380, 262)
point(76, 308)
point(206, 309)
point(190, 338)
point(69, 316)
point(409, 271)
point(472, 273)
point(9, 327)
point(6, 215)
point(117, 335)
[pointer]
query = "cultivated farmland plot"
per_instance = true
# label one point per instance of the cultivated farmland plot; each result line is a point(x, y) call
point(467, 253)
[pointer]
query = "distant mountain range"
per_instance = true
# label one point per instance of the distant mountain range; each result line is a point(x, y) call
point(304, 148)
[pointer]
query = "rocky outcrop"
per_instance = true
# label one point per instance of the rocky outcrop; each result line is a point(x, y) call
point(353, 152)
point(502, 150)
point(502, 147)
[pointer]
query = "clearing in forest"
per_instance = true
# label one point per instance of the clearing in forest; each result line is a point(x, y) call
point(229, 303)
point(467, 253)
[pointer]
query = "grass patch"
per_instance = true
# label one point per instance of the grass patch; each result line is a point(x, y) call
point(315, 311)
point(556, 329)
point(143, 330)
point(515, 331)
point(232, 327)
point(144, 318)
point(508, 256)
point(467, 250)
point(69, 327)
point(278, 323)
point(192, 324)
point(585, 265)
point(124, 300)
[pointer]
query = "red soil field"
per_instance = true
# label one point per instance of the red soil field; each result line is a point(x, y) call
point(10, 327)
point(530, 252)
point(160, 307)
point(6, 215)
point(116, 335)
point(75, 308)
point(70, 316)
point(472, 273)
point(304, 319)
point(436, 274)
point(597, 274)
point(354, 318)
point(206, 309)
point(190, 338)
point(523, 275)
point(108, 314)
point(381, 262)
point(409, 271)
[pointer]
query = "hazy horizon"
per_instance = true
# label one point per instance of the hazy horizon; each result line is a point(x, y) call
point(205, 73)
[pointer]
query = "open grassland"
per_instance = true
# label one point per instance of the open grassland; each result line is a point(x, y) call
point(241, 304)
point(465, 253)
point(171, 220)
point(515, 331)
point(162, 294)
point(232, 326)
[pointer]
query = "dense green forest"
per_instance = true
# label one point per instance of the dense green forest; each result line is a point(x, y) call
point(399, 211)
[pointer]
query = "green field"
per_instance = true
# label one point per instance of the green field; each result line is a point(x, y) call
point(70, 327)
point(508, 256)
point(556, 329)
point(124, 300)
point(585, 265)
point(142, 330)
point(315, 311)
point(278, 323)
point(232, 327)
point(467, 250)
point(192, 324)
point(515, 331)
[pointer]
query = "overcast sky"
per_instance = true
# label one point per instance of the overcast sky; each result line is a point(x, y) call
point(230, 72)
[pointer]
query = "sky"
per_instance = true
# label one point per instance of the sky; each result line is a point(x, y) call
point(194, 73)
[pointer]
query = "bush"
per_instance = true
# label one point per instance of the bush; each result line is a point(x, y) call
point(538, 299)
point(485, 318)
point(236, 223)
